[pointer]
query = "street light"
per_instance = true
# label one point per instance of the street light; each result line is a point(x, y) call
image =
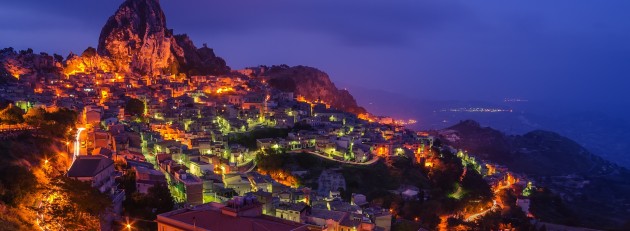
point(127, 224)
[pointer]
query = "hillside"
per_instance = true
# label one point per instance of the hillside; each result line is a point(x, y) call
point(312, 84)
point(595, 191)
point(536, 153)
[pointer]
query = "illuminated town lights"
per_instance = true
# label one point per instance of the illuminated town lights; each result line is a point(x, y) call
point(224, 90)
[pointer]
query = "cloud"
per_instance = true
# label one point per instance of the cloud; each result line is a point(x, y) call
point(362, 23)
point(457, 49)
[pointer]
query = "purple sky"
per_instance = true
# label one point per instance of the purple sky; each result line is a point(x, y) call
point(482, 50)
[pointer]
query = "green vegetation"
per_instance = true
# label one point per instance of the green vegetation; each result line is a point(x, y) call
point(549, 207)
point(30, 180)
point(145, 206)
point(377, 182)
point(11, 115)
point(26, 180)
point(55, 124)
point(16, 184)
point(249, 139)
point(599, 202)
point(510, 216)
point(134, 107)
point(82, 195)
point(404, 225)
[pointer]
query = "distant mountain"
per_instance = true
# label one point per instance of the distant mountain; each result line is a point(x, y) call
point(596, 128)
point(600, 133)
point(596, 191)
point(537, 153)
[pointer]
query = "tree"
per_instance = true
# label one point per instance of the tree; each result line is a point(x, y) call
point(54, 124)
point(11, 115)
point(87, 198)
point(159, 197)
point(35, 116)
point(134, 107)
point(16, 183)
point(146, 206)
point(476, 186)
point(58, 58)
point(128, 182)
point(302, 125)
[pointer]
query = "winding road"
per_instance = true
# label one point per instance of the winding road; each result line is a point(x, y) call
point(370, 162)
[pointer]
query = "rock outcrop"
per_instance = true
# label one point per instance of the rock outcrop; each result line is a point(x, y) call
point(26, 64)
point(200, 61)
point(312, 84)
point(89, 61)
point(138, 41)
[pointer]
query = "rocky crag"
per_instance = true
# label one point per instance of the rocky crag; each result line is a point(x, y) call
point(135, 41)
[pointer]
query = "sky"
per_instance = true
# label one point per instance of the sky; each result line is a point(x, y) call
point(561, 50)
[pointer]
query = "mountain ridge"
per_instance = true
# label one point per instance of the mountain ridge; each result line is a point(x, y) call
point(597, 191)
point(538, 152)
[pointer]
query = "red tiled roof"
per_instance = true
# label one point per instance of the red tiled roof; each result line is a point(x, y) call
point(214, 220)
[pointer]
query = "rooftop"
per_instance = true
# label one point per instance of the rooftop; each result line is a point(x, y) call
point(328, 214)
point(209, 217)
point(89, 166)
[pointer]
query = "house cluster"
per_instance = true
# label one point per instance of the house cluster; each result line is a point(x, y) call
point(499, 177)
point(187, 137)
point(99, 171)
point(278, 207)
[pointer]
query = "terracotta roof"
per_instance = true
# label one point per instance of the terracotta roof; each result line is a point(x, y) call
point(213, 219)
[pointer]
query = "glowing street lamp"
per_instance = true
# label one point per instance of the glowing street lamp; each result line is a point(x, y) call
point(127, 224)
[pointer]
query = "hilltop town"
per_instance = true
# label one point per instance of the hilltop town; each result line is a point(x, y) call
point(219, 140)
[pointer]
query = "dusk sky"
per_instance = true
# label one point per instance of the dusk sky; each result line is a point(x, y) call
point(482, 50)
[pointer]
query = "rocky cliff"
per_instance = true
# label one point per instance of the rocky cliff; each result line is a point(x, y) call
point(137, 40)
point(89, 61)
point(26, 64)
point(312, 84)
